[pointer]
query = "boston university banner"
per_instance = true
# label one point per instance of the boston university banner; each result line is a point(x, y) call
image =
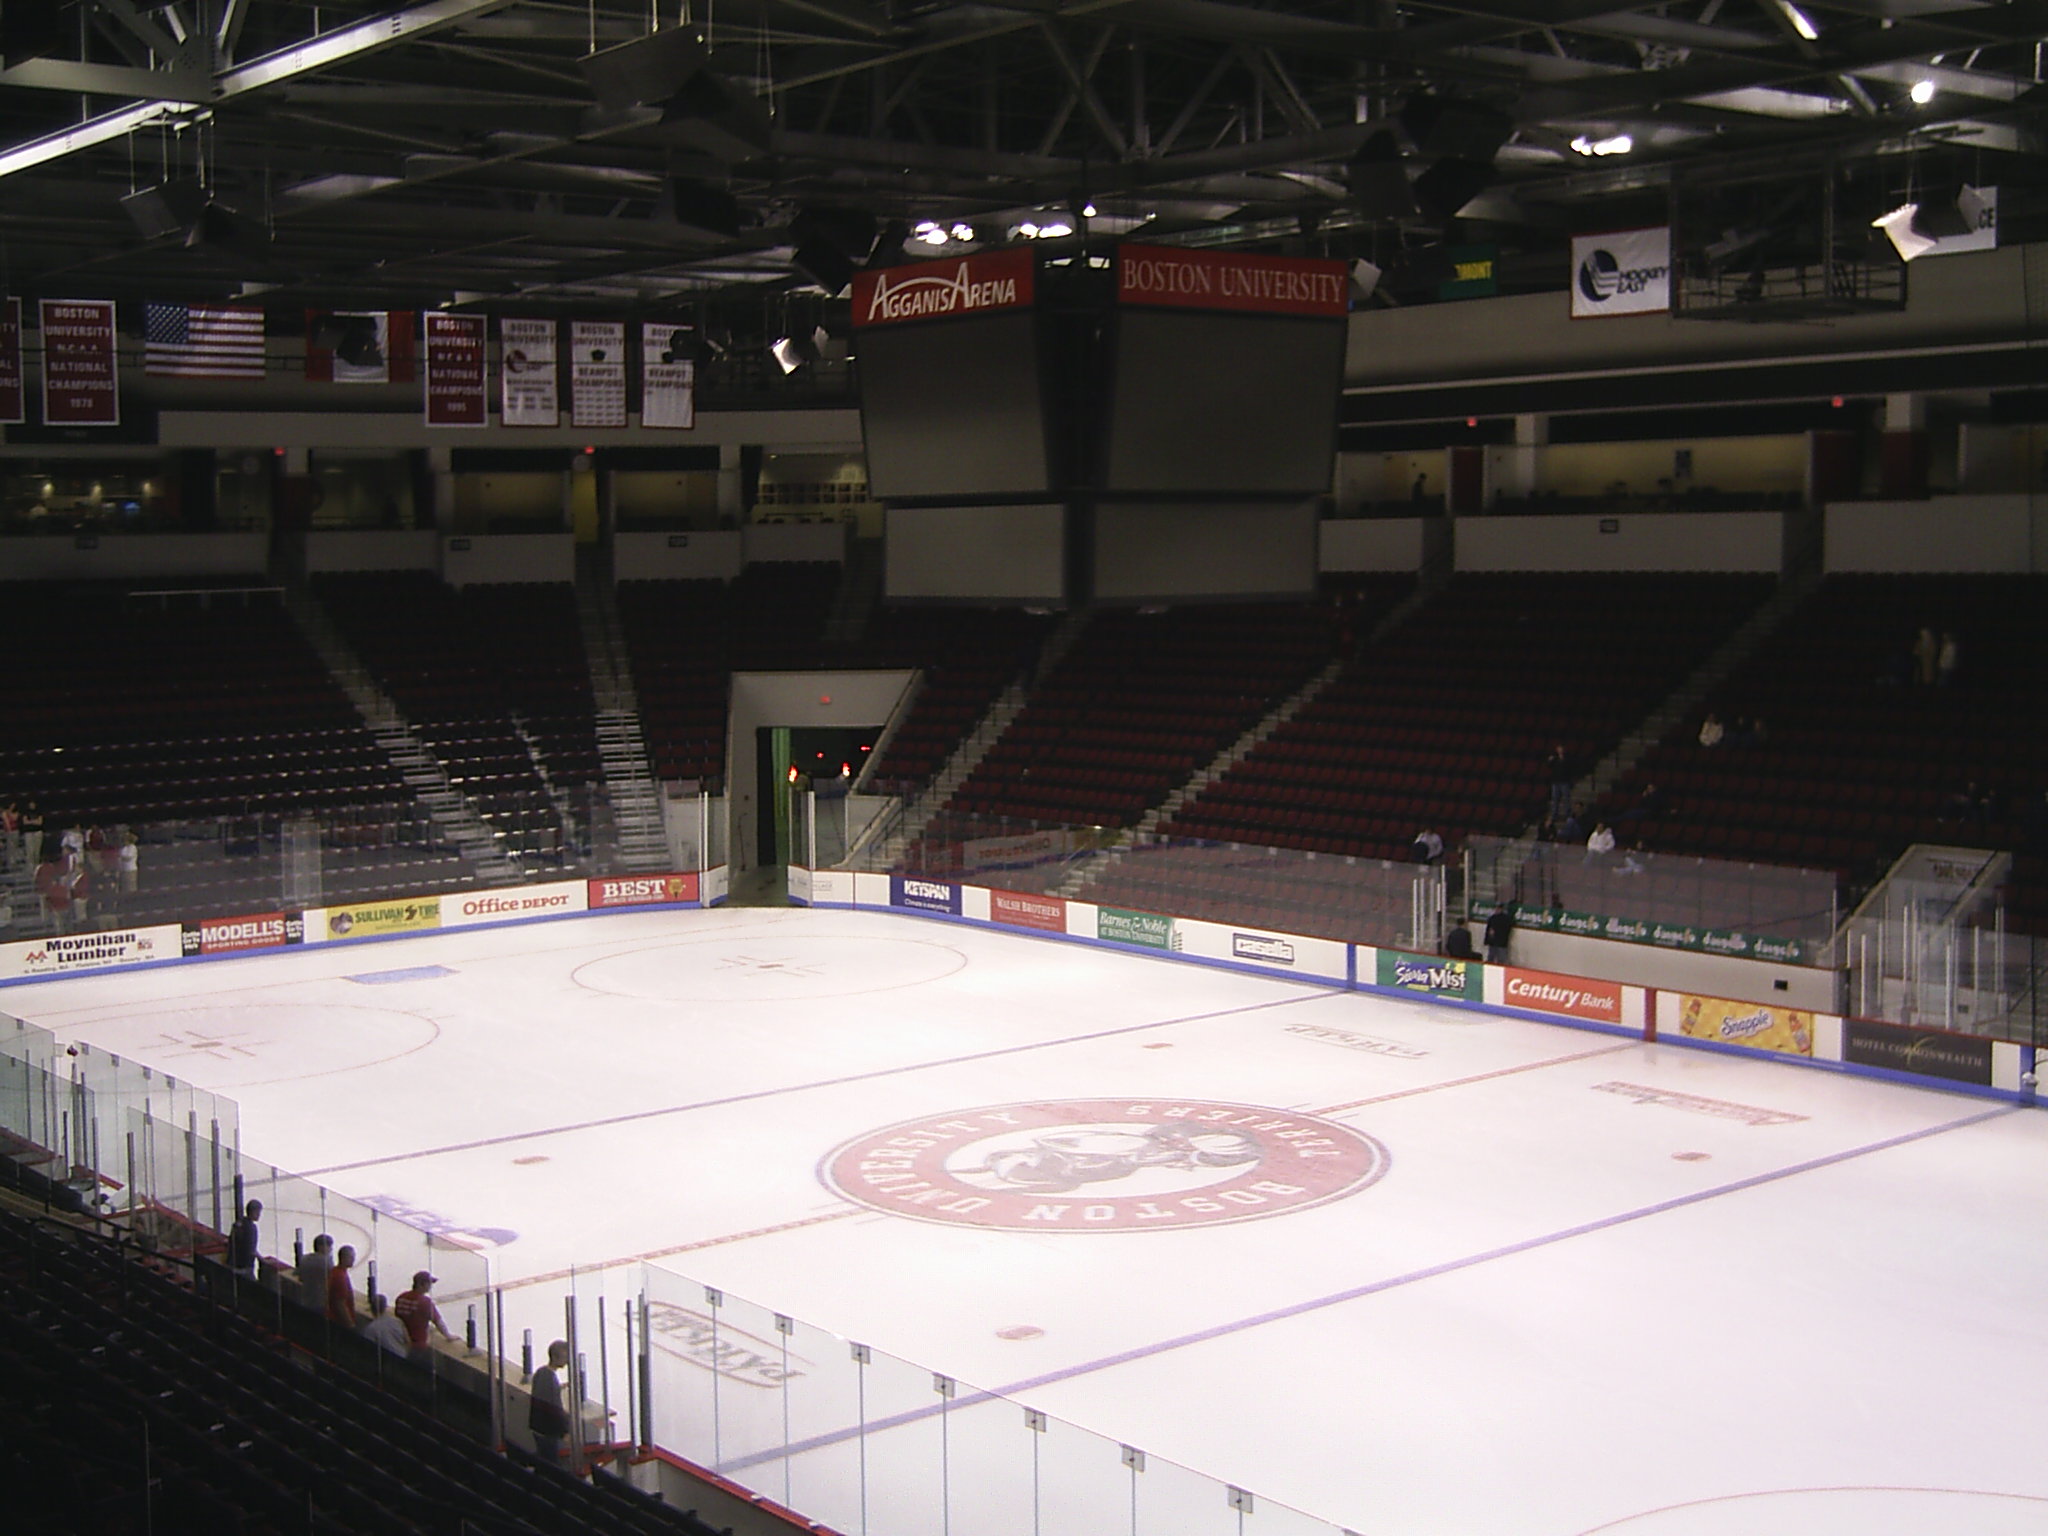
point(530, 390)
point(668, 376)
point(13, 398)
point(81, 379)
point(1230, 280)
point(1623, 272)
point(455, 371)
point(597, 373)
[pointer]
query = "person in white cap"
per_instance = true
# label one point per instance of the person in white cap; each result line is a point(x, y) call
point(417, 1311)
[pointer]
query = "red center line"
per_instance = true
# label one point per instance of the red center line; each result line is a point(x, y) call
point(1460, 1082)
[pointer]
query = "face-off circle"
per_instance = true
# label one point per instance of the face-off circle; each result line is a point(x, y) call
point(1105, 1165)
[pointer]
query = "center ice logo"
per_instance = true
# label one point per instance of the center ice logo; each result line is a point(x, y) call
point(1105, 1165)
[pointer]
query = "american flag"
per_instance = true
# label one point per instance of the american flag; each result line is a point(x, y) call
point(202, 341)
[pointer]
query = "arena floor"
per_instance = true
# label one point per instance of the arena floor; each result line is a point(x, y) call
point(1407, 1267)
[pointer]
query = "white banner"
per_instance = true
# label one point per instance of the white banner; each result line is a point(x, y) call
point(1623, 272)
point(597, 373)
point(509, 903)
point(531, 396)
point(668, 377)
point(64, 954)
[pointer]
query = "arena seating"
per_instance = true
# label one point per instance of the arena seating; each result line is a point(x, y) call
point(969, 656)
point(1857, 759)
point(138, 1402)
point(1141, 702)
point(1445, 723)
point(472, 668)
point(686, 638)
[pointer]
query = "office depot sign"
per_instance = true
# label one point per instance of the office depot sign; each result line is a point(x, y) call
point(511, 903)
point(643, 890)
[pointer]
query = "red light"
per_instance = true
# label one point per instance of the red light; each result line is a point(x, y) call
point(792, 773)
point(1836, 402)
point(1471, 421)
point(277, 453)
point(589, 448)
point(824, 698)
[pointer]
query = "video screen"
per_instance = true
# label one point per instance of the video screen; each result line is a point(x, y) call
point(954, 408)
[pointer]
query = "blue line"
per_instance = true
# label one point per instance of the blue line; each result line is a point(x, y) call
point(1371, 1288)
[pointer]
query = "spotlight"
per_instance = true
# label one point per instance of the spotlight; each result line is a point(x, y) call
point(797, 349)
point(929, 233)
point(1087, 210)
point(964, 233)
point(1592, 148)
point(1922, 92)
point(1365, 277)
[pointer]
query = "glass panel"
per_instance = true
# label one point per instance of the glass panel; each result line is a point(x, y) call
point(825, 1417)
point(683, 1334)
point(992, 1455)
point(755, 1366)
point(907, 1465)
point(1084, 1487)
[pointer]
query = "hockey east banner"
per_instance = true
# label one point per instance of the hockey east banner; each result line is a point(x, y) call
point(1623, 272)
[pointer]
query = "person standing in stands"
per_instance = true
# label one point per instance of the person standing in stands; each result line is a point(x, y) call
point(384, 1329)
point(341, 1290)
point(1559, 766)
point(1926, 655)
point(1427, 847)
point(315, 1265)
point(1947, 658)
point(242, 1240)
point(416, 1309)
point(31, 833)
point(546, 1418)
point(1500, 930)
point(128, 860)
point(10, 834)
point(1712, 731)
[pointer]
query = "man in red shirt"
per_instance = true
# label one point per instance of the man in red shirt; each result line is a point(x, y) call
point(341, 1290)
point(417, 1311)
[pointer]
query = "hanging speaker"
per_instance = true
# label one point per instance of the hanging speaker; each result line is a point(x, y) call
point(717, 118)
point(173, 208)
point(847, 230)
point(1445, 127)
point(647, 70)
point(1449, 185)
point(1378, 181)
point(824, 264)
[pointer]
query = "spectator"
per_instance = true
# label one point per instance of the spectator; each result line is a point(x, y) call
point(1926, 656)
point(384, 1329)
point(242, 1238)
point(546, 1418)
point(1558, 765)
point(416, 1309)
point(1427, 848)
point(1601, 843)
point(341, 1290)
point(1946, 659)
point(1712, 731)
point(1419, 493)
point(1632, 858)
point(1648, 807)
point(10, 834)
point(72, 840)
point(31, 833)
point(128, 859)
point(1458, 943)
point(1574, 827)
point(56, 893)
point(1500, 931)
point(315, 1266)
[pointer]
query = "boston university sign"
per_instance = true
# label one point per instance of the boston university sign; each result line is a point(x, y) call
point(945, 290)
point(1230, 280)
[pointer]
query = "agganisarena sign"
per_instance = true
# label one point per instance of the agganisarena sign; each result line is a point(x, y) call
point(945, 290)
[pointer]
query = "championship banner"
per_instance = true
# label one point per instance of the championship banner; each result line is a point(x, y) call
point(228, 935)
point(422, 915)
point(13, 397)
point(642, 890)
point(1048, 914)
point(1759, 1026)
point(1231, 280)
point(946, 290)
point(455, 371)
point(597, 373)
point(530, 392)
point(360, 346)
point(1623, 272)
point(81, 378)
point(1430, 975)
point(668, 377)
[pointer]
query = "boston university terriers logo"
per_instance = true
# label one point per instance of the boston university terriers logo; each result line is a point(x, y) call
point(1105, 1165)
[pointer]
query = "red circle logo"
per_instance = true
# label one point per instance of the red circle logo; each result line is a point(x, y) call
point(1105, 1165)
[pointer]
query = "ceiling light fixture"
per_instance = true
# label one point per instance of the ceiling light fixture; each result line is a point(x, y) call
point(1590, 147)
point(1922, 92)
point(1801, 22)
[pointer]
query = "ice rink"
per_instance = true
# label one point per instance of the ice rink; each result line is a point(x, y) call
point(1409, 1267)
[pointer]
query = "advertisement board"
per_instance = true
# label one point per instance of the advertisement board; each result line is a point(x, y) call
point(799, 885)
point(422, 914)
point(1928, 1052)
point(64, 954)
point(1623, 272)
point(1048, 914)
point(1730, 942)
point(1759, 1026)
point(514, 901)
point(642, 890)
point(1016, 851)
point(945, 290)
point(1574, 996)
point(1231, 280)
point(1431, 975)
point(924, 895)
point(255, 930)
point(1149, 930)
point(832, 885)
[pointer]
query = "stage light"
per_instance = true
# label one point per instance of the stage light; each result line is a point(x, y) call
point(794, 351)
point(1087, 210)
point(1922, 92)
point(1616, 144)
point(964, 233)
point(930, 233)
